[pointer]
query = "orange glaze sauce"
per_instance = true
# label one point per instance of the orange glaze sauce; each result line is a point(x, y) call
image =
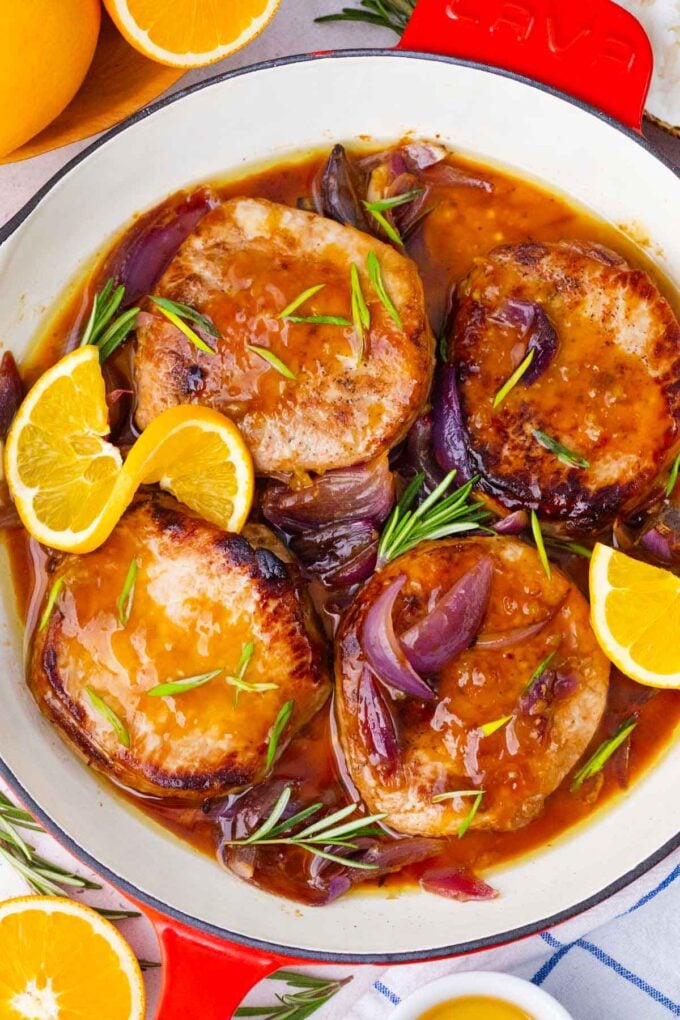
point(466, 222)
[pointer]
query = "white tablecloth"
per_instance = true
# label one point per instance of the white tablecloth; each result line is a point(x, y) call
point(599, 968)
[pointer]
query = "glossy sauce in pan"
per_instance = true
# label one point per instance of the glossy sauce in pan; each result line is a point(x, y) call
point(465, 222)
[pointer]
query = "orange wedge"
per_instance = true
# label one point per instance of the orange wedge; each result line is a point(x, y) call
point(60, 959)
point(70, 486)
point(190, 33)
point(635, 613)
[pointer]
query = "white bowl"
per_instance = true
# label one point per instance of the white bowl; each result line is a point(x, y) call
point(537, 1003)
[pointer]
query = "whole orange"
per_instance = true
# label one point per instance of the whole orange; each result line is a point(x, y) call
point(46, 47)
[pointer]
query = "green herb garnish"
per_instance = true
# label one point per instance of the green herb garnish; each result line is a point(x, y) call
point(104, 710)
point(361, 317)
point(380, 218)
point(127, 595)
point(176, 313)
point(514, 379)
point(320, 320)
point(238, 680)
point(271, 358)
point(573, 547)
point(673, 476)
point(375, 274)
point(296, 1005)
point(467, 821)
point(104, 329)
point(603, 753)
point(539, 671)
point(118, 915)
point(562, 452)
point(331, 830)
point(439, 797)
point(436, 517)
point(393, 14)
point(300, 300)
point(188, 683)
point(490, 727)
point(277, 729)
point(391, 203)
point(540, 544)
point(51, 602)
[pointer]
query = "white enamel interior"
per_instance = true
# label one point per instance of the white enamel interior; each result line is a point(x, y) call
point(256, 116)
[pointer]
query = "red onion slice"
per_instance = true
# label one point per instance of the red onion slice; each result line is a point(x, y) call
point(340, 191)
point(508, 638)
point(658, 544)
point(513, 524)
point(447, 176)
point(340, 554)
point(449, 436)
point(11, 392)
point(362, 492)
point(457, 884)
point(532, 320)
point(376, 724)
point(451, 626)
point(419, 457)
point(384, 652)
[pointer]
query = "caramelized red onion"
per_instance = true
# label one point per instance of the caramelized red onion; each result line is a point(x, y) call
point(332, 880)
point(549, 686)
point(449, 436)
point(532, 320)
point(452, 624)
point(419, 456)
point(658, 544)
point(383, 650)
point(339, 554)
point(340, 191)
point(376, 725)
point(146, 250)
point(11, 392)
point(508, 638)
point(513, 524)
point(457, 884)
point(364, 492)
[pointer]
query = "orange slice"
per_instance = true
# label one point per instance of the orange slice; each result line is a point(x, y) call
point(70, 486)
point(635, 613)
point(61, 959)
point(190, 33)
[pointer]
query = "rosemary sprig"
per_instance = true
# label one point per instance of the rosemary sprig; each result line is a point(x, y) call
point(238, 680)
point(177, 313)
point(379, 217)
point(300, 300)
point(539, 671)
point(449, 795)
point(436, 517)
point(127, 595)
point(271, 358)
point(107, 712)
point(104, 329)
point(603, 753)
point(512, 381)
point(277, 729)
point(573, 547)
point(332, 830)
point(188, 683)
point(673, 476)
point(391, 203)
point(361, 317)
point(375, 274)
point(467, 821)
point(119, 915)
point(562, 452)
point(392, 14)
point(490, 727)
point(320, 320)
point(540, 544)
point(316, 992)
point(51, 602)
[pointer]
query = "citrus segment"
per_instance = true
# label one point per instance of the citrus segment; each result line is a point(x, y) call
point(60, 959)
point(190, 33)
point(635, 609)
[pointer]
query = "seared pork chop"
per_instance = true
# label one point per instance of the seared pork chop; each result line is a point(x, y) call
point(610, 394)
point(243, 265)
point(441, 745)
point(200, 595)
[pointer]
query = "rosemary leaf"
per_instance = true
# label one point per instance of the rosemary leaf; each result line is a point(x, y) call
point(187, 312)
point(127, 595)
point(300, 300)
point(361, 317)
point(148, 964)
point(391, 203)
point(392, 14)
point(603, 753)
point(116, 333)
point(177, 321)
point(189, 683)
point(467, 821)
point(375, 274)
point(51, 602)
point(102, 329)
point(280, 724)
point(539, 671)
point(117, 915)
point(380, 218)
point(271, 358)
point(107, 712)
point(268, 825)
point(513, 379)
point(572, 547)
point(540, 544)
point(673, 476)
point(562, 452)
point(439, 797)
point(320, 320)
point(490, 727)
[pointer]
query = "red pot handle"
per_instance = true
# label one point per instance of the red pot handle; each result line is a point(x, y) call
point(205, 976)
point(592, 49)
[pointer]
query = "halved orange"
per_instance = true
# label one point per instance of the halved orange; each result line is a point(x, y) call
point(60, 959)
point(635, 613)
point(70, 486)
point(190, 33)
